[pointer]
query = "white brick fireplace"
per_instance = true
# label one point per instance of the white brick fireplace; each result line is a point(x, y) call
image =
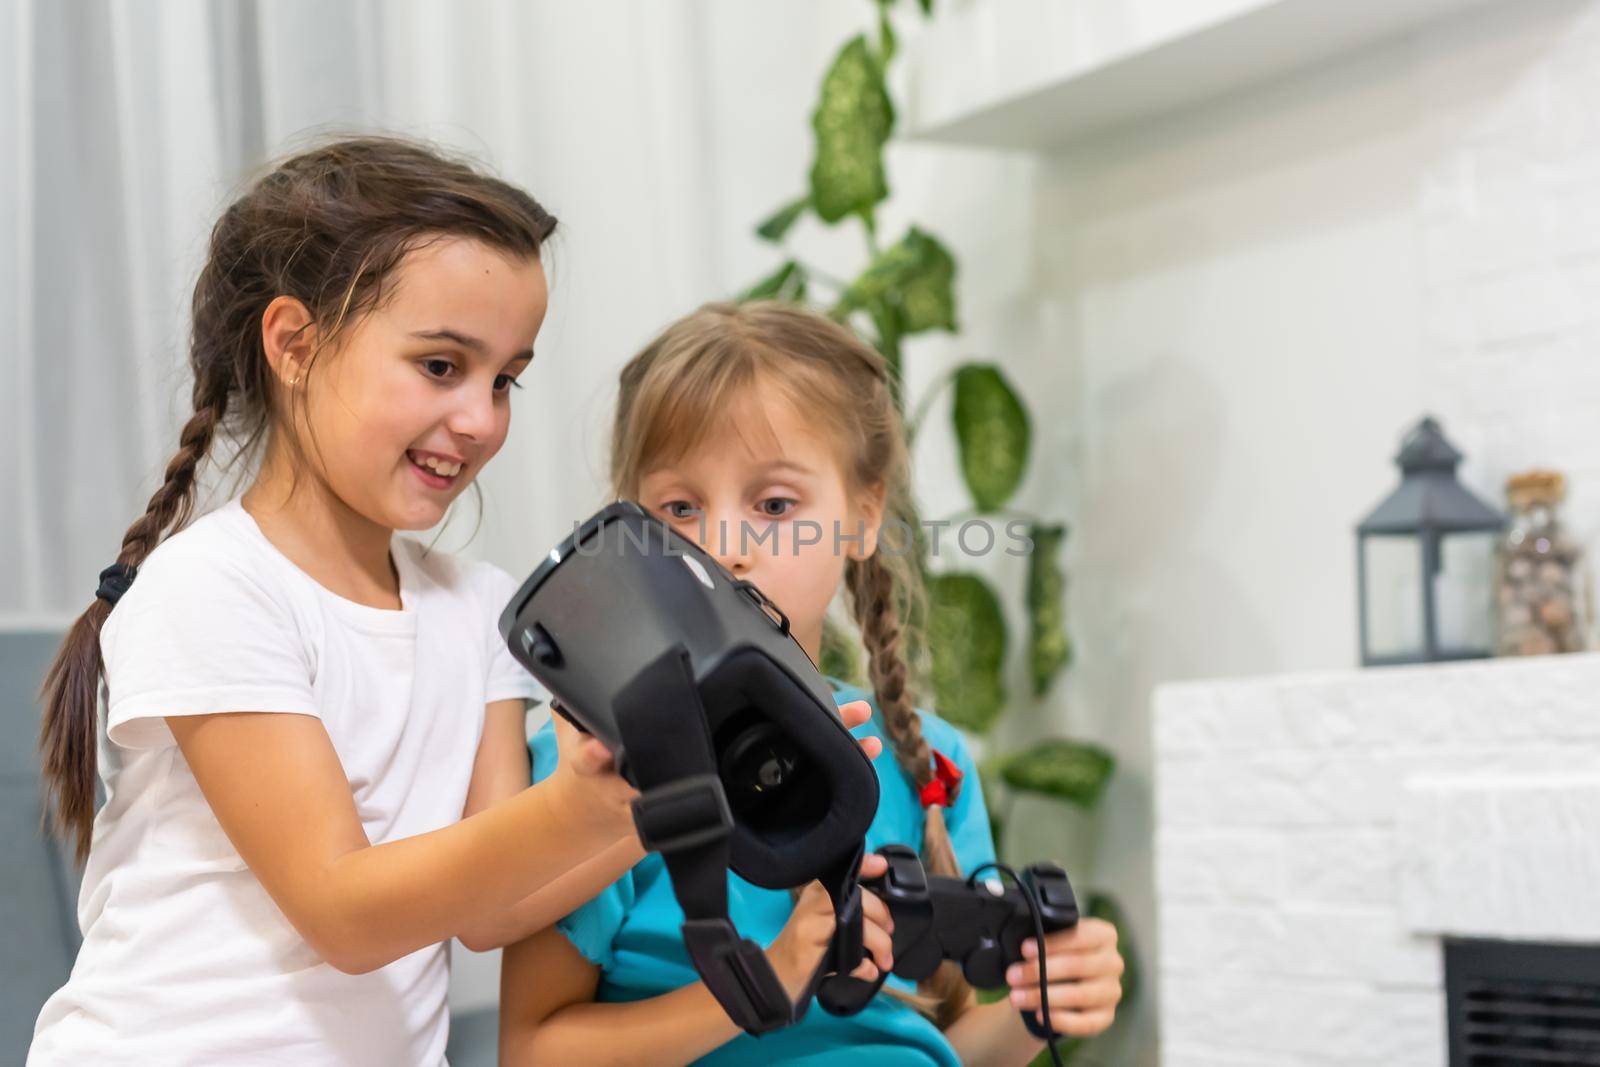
point(1317, 835)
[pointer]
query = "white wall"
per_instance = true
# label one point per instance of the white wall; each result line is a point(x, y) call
point(990, 51)
point(1249, 301)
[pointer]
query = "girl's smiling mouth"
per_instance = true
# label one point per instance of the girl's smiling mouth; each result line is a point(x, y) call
point(436, 471)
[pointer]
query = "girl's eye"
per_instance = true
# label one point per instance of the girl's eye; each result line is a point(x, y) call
point(679, 509)
point(505, 383)
point(776, 507)
point(438, 368)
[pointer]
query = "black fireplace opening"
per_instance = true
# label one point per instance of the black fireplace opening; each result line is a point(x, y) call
point(1522, 1004)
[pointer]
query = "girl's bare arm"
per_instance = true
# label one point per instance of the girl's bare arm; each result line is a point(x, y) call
point(501, 771)
point(548, 1014)
point(276, 786)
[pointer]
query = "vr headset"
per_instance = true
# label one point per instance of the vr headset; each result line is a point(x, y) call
point(721, 721)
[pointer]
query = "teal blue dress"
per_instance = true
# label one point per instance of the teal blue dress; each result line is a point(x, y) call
point(631, 930)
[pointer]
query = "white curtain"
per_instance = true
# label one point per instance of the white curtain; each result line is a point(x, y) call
point(125, 126)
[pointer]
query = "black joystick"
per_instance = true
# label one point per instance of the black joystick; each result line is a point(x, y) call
point(978, 922)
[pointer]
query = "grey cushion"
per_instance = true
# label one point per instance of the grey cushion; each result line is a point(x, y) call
point(474, 1039)
point(38, 888)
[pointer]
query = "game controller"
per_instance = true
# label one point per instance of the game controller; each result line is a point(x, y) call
point(978, 922)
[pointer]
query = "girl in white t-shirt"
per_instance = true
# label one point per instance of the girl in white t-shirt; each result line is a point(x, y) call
point(313, 749)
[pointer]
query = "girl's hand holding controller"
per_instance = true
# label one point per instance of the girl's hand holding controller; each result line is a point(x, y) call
point(805, 937)
point(1085, 972)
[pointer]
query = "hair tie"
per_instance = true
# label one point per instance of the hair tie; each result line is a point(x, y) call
point(114, 581)
point(945, 785)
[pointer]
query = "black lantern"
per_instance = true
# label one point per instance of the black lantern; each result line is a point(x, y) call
point(1425, 562)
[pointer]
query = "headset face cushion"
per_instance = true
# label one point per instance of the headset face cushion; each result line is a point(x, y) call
point(801, 790)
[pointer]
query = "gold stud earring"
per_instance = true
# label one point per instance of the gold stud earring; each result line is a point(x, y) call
point(293, 381)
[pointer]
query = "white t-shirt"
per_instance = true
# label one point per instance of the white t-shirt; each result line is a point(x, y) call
point(185, 958)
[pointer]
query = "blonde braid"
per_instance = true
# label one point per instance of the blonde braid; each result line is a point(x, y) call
point(872, 595)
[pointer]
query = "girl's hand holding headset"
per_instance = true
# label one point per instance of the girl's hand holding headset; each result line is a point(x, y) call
point(586, 784)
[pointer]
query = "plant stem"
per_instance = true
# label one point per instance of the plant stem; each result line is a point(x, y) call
point(869, 224)
point(1005, 819)
point(823, 276)
point(926, 402)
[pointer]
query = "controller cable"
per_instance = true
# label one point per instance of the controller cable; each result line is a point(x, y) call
point(1032, 898)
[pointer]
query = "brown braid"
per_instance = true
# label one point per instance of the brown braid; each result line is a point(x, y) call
point(327, 227)
point(872, 594)
point(66, 740)
point(171, 505)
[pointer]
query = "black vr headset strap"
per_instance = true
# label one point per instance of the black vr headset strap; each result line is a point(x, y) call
point(682, 812)
point(845, 948)
point(836, 989)
point(843, 994)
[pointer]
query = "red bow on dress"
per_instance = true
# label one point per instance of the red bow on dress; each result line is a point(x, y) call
point(946, 783)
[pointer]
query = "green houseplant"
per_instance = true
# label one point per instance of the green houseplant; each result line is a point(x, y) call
point(903, 289)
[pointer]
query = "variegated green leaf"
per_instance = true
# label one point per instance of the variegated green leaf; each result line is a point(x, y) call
point(967, 639)
point(777, 225)
point(1049, 649)
point(915, 277)
point(888, 44)
point(788, 282)
point(993, 432)
point(1073, 771)
point(853, 120)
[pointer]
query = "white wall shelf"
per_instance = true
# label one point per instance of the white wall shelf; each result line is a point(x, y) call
point(1039, 75)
